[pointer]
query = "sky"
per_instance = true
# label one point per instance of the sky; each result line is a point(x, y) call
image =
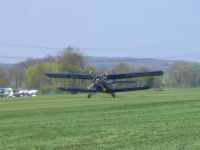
point(163, 29)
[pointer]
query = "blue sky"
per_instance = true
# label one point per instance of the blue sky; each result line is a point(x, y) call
point(165, 29)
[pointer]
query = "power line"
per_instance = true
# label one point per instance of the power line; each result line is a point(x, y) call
point(108, 50)
point(124, 48)
point(11, 57)
point(27, 46)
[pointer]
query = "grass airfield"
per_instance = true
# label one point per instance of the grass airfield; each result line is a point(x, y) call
point(168, 119)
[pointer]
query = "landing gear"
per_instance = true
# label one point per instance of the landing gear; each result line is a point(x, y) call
point(113, 95)
point(89, 95)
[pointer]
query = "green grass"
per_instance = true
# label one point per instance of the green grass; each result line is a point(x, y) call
point(167, 119)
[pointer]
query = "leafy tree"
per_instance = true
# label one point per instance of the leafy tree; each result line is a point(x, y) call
point(183, 74)
point(145, 80)
point(123, 67)
point(35, 77)
point(18, 70)
point(89, 69)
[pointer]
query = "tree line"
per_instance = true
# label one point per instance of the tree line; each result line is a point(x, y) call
point(30, 73)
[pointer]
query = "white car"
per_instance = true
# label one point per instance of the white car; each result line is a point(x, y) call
point(24, 92)
point(8, 92)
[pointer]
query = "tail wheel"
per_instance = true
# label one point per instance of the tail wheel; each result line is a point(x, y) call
point(113, 94)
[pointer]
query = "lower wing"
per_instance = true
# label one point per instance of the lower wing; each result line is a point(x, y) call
point(76, 90)
point(130, 89)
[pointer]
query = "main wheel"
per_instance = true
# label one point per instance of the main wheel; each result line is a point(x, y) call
point(89, 95)
point(113, 94)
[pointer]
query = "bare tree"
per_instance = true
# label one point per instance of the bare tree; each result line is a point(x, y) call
point(123, 67)
point(17, 73)
point(72, 61)
point(3, 77)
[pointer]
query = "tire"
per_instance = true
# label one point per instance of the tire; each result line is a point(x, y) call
point(113, 95)
point(89, 95)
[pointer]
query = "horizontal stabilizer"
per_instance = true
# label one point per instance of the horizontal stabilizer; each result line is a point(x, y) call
point(134, 74)
point(70, 75)
point(131, 89)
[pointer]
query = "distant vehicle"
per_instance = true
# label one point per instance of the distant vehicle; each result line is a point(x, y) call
point(104, 83)
point(6, 92)
point(24, 92)
point(2, 93)
point(9, 92)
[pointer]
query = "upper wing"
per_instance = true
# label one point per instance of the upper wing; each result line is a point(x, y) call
point(134, 74)
point(125, 81)
point(70, 75)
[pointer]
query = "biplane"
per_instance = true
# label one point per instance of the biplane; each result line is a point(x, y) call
point(104, 83)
